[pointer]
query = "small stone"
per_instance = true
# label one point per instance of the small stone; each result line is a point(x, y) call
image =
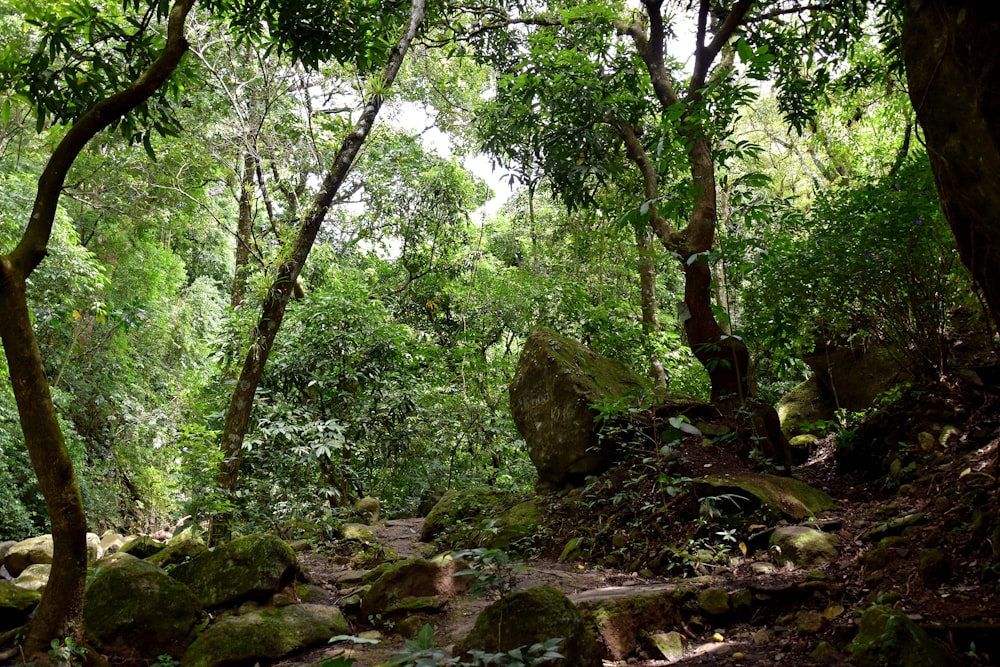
point(619, 541)
point(669, 644)
point(926, 441)
point(762, 637)
point(572, 551)
point(825, 652)
point(714, 601)
point(934, 567)
point(808, 622)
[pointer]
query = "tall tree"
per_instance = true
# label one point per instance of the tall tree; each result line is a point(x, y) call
point(59, 611)
point(953, 71)
point(280, 291)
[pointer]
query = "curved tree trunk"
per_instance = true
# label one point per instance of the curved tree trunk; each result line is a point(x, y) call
point(953, 71)
point(58, 614)
point(276, 301)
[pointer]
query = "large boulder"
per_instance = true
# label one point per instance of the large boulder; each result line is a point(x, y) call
point(853, 377)
point(178, 549)
point(34, 577)
point(886, 636)
point(38, 550)
point(16, 604)
point(804, 405)
point(253, 567)
point(264, 635)
point(557, 383)
point(786, 497)
point(529, 617)
point(411, 583)
point(137, 612)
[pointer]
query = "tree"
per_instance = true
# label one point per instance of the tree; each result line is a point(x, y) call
point(287, 274)
point(59, 611)
point(954, 83)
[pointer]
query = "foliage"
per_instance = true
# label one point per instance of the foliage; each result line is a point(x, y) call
point(494, 570)
point(889, 274)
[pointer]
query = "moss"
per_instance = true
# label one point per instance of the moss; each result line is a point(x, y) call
point(620, 621)
point(250, 567)
point(714, 601)
point(531, 616)
point(462, 509)
point(783, 495)
point(887, 637)
point(16, 604)
point(411, 578)
point(134, 610)
point(264, 635)
point(179, 549)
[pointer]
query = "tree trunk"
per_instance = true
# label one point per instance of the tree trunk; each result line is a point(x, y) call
point(953, 71)
point(58, 613)
point(244, 226)
point(276, 302)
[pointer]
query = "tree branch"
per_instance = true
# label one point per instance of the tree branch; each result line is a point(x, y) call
point(705, 55)
point(33, 245)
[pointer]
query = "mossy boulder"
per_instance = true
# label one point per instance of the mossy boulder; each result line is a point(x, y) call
point(469, 508)
point(414, 578)
point(510, 526)
point(264, 635)
point(887, 637)
point(804, 404)
point(802, 546)
point(368, 509)
point(557, 383)
point(34, 577)
point(785, 496)
point(622, 620)
point(141, 546)
point(179, 549)
point(358, 532)
point(529, 617)
point(16, 604)
point(135, 611)
point(28, 552)
point(253, 567)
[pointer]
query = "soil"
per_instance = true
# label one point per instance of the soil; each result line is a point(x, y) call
point(899, 494)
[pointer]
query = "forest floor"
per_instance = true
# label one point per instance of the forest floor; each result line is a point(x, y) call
point(942, 496)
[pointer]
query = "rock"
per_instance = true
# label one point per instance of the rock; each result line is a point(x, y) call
point(470, 508)
point(804, 405)
point(825, 653)
point(619, 617)
point(808, 622)
point(32, 551)
point(669, 644)
point(253, 567)
point(510, 526)
point(714, 601)
point(429, 499)
point(802, 546)
point(34, 577)
point(557, 382)
point(137, 612)
point(368, 508)
point(4, 548)
point(178, 549)
point(785, 496)
point(141, 546)
point(572, 551)
point(856, 376)
point(264, 635)
point(358, 532)
point(887, 637)
point(111, 542)
point(413, 578)
point(529, 617)
point(934, 567)
point(16, 604)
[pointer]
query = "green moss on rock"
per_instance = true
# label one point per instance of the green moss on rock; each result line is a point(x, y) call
point(412, 578)
point(467, 508)
point(785, 496)
point(16, 604)
point(135, 611)
point(264, 634)
point(253, 567)
point(531, 616)
point(887, 637)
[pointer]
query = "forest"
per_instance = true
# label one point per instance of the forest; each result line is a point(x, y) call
point(265, 261)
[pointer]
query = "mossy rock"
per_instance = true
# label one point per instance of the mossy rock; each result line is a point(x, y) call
point(264, 635)
point(34, 577)
point(179, 549)
point(141, 546)
point(16, 604)
point(517, 523)
point(785, 496)
point(359, 532)
point(621, 622)
point(412, 578)
point(802, 546)
point(135, 611)
point(804, 404)
point(529, 617)
point(253, 567)
point(469, 508)
point(369, 509)
point(887, 637)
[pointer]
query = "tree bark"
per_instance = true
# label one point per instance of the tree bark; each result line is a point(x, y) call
point(953, 71)
point(58, 614)
point(276, 301)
